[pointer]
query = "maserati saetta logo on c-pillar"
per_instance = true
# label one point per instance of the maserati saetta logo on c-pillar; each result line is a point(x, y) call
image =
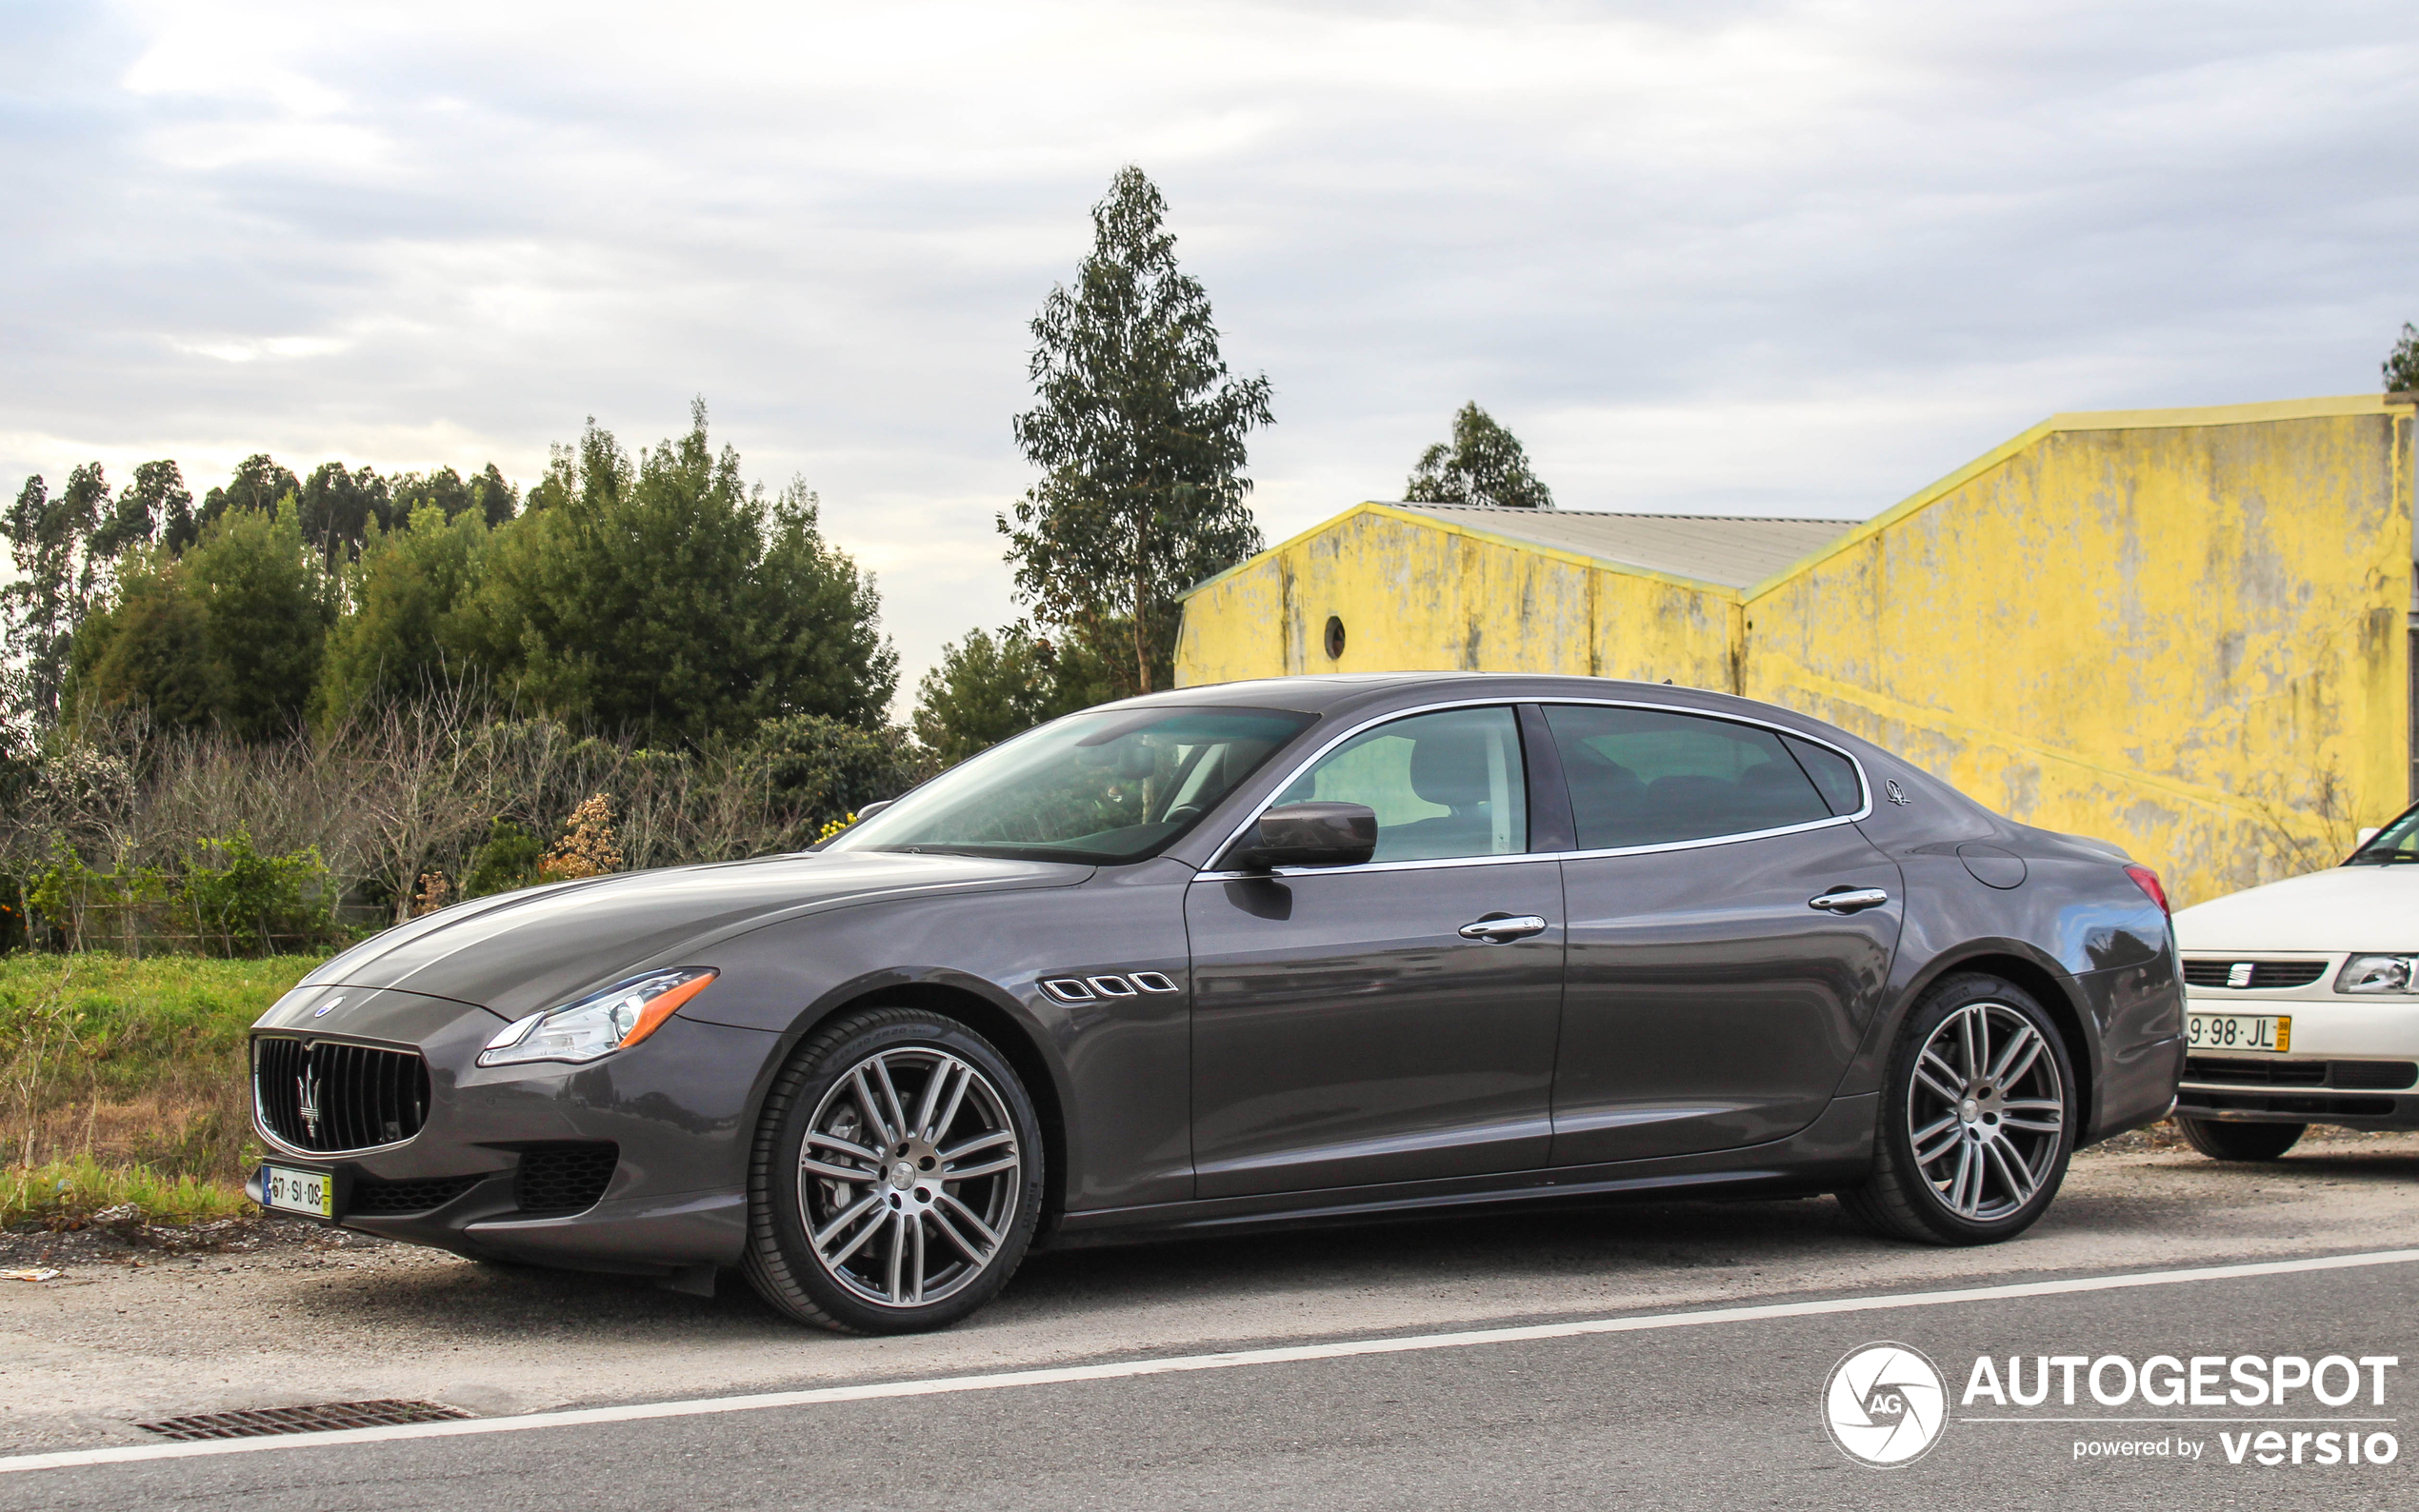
point(1885, 1404)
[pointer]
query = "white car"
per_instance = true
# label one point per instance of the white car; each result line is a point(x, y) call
point(2302, 1003)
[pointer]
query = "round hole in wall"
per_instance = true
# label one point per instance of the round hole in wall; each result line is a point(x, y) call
point(1335, 637)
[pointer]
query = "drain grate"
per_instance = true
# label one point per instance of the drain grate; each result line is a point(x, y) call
point(324, 1418)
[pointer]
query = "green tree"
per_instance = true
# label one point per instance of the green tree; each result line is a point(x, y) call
point(150, 650)
point(270, 602)
point(340, 509)
point(230, 633)
point(49, 543)
point(1485, 464)
point(1140, 432)
point(984, 690)
point(156, 497)
point(668, 599)
point(487, 494)
point(257, 486)
point(400, 634)
point(2402, 364)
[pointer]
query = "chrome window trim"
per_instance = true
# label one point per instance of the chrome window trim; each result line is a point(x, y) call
point(1864, 787)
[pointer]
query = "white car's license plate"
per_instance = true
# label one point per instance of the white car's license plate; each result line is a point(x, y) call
point(291, 1191)
point(2271, 1032)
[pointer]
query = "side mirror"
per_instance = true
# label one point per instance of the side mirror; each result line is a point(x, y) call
point(1316, 834)
point(872, 809)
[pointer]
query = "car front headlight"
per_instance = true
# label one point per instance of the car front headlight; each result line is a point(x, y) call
point(599, 1023)
point(2379, 974)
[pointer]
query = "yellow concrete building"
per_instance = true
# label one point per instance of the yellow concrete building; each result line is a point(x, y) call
point(2186, 630)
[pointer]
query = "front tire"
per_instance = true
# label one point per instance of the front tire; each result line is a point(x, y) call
point(1978, 1119)
point(2240, 1141)
point(896, 1176)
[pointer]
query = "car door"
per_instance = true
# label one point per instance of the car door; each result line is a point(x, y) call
point(1393, 1021)
point(1730, 931)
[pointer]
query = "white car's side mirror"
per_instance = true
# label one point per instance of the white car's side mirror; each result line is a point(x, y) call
point(2365, 836)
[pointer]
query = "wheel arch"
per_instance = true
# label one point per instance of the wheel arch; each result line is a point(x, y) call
point(1009, 1030)
point(2046, 985)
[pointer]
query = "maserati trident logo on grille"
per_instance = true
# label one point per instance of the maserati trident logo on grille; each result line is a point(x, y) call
point(307, 1099)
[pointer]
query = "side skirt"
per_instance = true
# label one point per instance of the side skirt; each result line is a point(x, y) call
point(1837, 1147)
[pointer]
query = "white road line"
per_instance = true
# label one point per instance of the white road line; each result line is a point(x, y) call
point(1289, 1354)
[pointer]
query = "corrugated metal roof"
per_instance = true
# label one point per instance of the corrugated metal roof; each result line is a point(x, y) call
point(1731, 550)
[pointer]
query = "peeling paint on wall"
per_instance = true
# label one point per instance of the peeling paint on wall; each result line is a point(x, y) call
point(2180, 630)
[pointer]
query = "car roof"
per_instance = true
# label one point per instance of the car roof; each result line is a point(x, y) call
point(1329, 692)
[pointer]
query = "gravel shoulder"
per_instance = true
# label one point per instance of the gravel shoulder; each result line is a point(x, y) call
point(280, 1315)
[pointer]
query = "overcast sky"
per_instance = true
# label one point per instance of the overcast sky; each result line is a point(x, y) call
point(1701, 257)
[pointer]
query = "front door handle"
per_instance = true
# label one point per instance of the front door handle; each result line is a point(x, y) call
point(1501, 929)
point(1848, 900)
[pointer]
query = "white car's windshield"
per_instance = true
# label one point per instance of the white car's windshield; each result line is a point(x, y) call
point(2398, 841)
point(1107, 787)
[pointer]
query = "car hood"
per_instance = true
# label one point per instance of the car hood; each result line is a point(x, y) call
point(2341, 908)
point(517, 952)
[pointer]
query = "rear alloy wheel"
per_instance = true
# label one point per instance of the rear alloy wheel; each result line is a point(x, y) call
point(2240, 1141)
point(897, 1175)
point(1977, 1120)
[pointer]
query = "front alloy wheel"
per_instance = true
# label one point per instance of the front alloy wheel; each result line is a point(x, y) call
point(1977, 1120)
point(898, 1176)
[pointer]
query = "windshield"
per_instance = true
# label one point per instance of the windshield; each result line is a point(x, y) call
point(1109, 787)
point(2398, 841)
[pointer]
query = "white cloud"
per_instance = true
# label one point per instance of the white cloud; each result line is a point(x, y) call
point(1768, 256)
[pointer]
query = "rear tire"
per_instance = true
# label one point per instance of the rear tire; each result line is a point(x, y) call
point(896, 1176)
point(2240, 1141)
point(1978, 1117)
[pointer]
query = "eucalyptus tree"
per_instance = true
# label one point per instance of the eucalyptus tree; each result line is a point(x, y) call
point(1484, 463)
point(1139, 430)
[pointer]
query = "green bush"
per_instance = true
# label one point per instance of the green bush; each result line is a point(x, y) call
point(508, 860)
point(250, 903)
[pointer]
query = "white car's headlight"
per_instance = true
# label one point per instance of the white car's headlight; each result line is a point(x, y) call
point(599, 1023)
point(2379, 974)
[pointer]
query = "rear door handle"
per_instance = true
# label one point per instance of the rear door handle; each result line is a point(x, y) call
point(1500, 929)
point(1849, 900)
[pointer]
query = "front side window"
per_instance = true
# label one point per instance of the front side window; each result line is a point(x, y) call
point(1106, 788)
point(1443, 785)
point(1651, 777)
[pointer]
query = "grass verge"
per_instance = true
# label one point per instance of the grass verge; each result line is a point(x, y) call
point(123, 1079)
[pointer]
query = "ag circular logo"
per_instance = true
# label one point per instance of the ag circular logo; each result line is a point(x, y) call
point(1885, 1404)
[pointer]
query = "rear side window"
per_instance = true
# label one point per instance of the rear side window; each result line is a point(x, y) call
point(1651, 777)
point(1834, 774)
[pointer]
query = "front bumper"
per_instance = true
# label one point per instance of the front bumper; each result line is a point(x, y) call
point(632, 1163)
point(2352, 1061)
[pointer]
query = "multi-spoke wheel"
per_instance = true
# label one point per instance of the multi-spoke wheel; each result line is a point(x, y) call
point(1977, 1120)
point(897, 1175)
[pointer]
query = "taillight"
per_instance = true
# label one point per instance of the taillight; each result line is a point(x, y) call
point(2147, 881)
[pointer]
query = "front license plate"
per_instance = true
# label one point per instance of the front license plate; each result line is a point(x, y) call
point(2271, 1032)
point(291, 1191)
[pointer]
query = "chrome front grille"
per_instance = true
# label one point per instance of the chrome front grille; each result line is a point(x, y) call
point(325, 1096)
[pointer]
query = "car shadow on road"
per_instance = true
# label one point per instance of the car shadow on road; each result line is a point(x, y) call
point(1498, 1255)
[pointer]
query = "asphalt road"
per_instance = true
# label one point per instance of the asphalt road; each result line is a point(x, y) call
point(1725, 1413)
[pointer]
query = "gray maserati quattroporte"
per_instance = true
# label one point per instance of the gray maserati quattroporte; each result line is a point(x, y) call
point(1311, 949)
